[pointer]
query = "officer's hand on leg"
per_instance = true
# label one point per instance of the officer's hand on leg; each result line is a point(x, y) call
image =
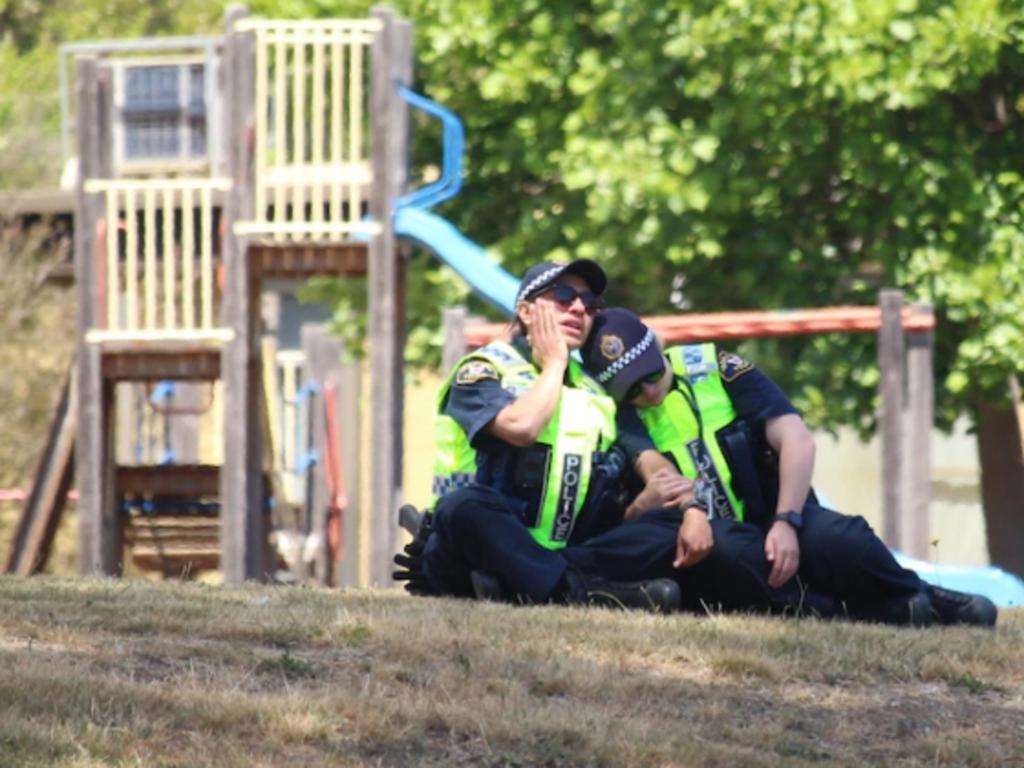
point(783, 551)
point(694, 539)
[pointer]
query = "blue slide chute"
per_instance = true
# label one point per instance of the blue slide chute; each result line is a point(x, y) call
point(1001, 587)
point(412, 218)
point(468, 259)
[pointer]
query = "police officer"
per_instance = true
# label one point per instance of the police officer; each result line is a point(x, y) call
point(523, 435)
point(730, 428)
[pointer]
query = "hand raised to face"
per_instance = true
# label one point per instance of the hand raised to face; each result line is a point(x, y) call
point(543, 333)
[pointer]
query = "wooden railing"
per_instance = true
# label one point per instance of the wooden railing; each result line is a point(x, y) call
point(312, 154)
point(155, 246)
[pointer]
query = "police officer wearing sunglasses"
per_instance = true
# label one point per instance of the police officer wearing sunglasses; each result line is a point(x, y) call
point(728, 427)
point(526, 478)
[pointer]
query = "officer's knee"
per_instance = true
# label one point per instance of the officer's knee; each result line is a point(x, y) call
point(467, 509)
point(827, 529)
point(737, 543)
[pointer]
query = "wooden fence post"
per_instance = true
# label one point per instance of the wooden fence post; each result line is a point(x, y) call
point(453, 325)
point(914, 527)
point(890, 385)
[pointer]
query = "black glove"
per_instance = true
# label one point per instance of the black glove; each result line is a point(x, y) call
point(410, 564)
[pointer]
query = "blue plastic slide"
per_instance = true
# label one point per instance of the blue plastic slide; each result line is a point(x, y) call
point(461, 254)
point(1001, 587)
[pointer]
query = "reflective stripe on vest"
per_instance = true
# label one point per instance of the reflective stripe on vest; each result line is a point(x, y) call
point(676, 429)
point(583, 422)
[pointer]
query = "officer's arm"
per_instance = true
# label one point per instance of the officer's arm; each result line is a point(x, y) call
point(663, 485)
point(794, 444)
point(521, 421)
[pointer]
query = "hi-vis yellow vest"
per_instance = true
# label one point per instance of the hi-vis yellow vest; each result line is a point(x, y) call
point(676, 429)
point(583, 422)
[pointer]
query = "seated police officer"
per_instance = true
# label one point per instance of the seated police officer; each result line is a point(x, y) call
point(525, 439)
point(730, 429)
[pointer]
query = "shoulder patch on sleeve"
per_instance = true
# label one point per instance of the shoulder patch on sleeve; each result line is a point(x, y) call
point(731, 366)
point(473, 371)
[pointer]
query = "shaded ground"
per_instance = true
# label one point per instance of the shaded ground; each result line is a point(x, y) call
point(128, 673)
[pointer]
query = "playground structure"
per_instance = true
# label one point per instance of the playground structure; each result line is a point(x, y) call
point(170, 262)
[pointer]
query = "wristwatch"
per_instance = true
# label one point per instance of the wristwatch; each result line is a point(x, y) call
point(792, 517)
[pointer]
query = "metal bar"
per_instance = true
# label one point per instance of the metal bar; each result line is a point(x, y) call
point(317, 139)
point(206, 259)
point(210, 335)
point(188, 253)
point(279, 27)
point(131, 260)
point(280, 121)
point(113, 287)
point(149, 259)
point(306, 228)
point(337, 94)
point(355, 105)
point(141, 185)
point(170, 289)
point(262, 104)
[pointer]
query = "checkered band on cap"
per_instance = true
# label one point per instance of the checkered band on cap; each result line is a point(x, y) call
point(539, 280)
point(628, 357)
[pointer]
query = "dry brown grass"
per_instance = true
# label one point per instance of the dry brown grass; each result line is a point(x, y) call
point(108, 673)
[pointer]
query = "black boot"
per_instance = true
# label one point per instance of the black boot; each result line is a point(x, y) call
point(486, 586)
point(952, 607)
point(656, 595)
point(908, 611)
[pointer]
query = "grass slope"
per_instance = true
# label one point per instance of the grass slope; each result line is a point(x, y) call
point(129, 673)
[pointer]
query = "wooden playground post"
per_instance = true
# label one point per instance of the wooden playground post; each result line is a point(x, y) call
point(453, 326)
point(99, 526)
point(392, 64)
point(323, 367)
point(243, 535)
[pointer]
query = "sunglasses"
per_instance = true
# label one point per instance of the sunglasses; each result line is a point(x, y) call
point(638, 388)
point(566, 295)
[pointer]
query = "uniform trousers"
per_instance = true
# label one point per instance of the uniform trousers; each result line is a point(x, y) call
point(475, 528)
point(842, 558)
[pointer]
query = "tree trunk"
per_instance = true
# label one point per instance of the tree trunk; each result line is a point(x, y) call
point(1001, 457)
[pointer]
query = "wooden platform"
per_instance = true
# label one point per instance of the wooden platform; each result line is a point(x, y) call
point(174, 546)
point(300, 261)
point(173, 526)
point(157, 366)
point(193, 481)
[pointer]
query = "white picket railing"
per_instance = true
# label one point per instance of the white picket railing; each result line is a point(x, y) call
point(312, 154)
point(156, 245)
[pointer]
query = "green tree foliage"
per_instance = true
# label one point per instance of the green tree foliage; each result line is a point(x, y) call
point(727, 155)
point(712, 155)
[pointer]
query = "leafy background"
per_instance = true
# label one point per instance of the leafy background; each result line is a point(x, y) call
point(711, 155)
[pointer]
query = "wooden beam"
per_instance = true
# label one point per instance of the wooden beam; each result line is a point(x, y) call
point(243, 523)
point(392, 64)
point(98, 524)
point(722, 326)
